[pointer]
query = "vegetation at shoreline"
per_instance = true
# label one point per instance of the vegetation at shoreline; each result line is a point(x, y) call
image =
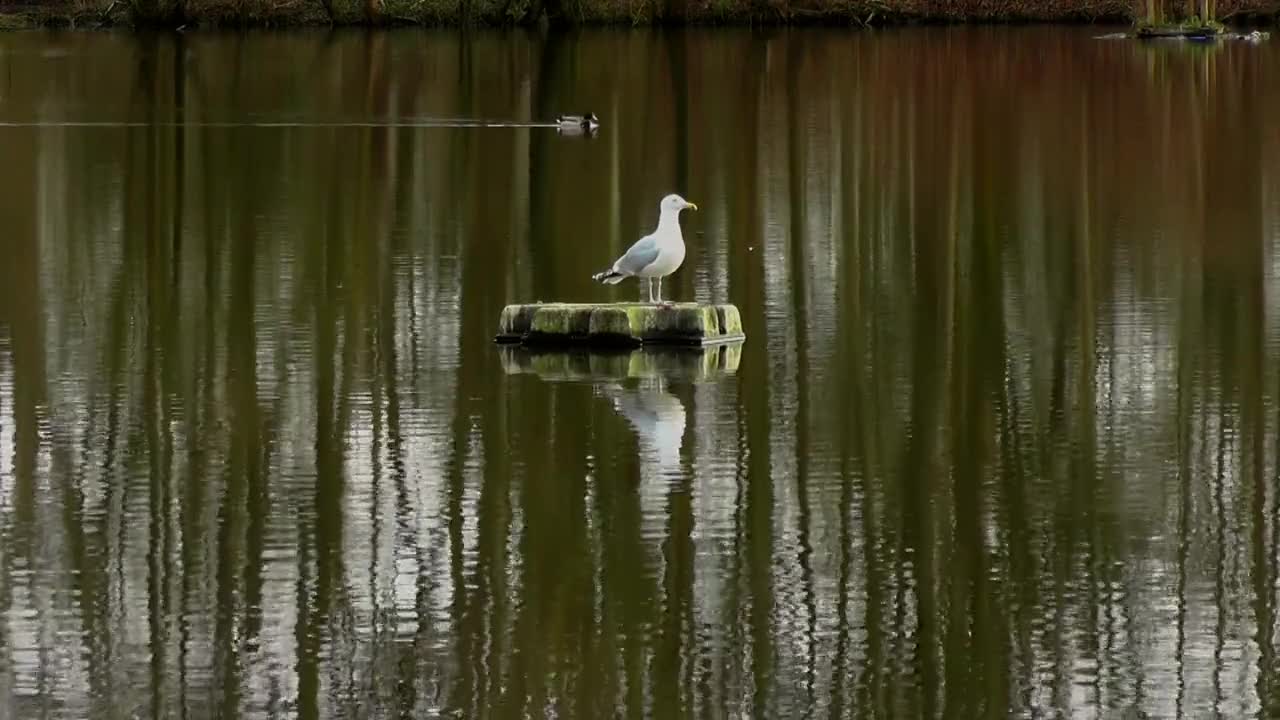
point(186, 14)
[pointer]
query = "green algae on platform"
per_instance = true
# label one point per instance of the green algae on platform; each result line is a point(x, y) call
point(619, 324)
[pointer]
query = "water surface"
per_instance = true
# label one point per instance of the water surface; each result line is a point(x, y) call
point(1002, 442)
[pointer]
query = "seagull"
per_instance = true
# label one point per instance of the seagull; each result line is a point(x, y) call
point(655, 255)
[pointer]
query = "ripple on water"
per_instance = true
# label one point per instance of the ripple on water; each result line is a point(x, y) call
point(1001, 435)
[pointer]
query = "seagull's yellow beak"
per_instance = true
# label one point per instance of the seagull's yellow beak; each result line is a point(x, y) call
point(692, 205)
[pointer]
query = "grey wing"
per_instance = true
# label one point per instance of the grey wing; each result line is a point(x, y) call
point(638, 256)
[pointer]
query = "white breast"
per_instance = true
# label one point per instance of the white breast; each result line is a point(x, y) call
point(670, 252)
point(668, 260)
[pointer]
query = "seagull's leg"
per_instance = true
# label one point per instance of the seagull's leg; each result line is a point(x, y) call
point(660, 302)
point(650, 282)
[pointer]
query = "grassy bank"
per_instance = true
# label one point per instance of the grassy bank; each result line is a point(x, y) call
point(280, 13)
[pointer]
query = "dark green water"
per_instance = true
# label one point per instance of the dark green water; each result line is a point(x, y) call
point(1003, 441)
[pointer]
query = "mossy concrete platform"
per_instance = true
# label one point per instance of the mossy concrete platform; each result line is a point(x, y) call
point(619, 324)
point(690, 364)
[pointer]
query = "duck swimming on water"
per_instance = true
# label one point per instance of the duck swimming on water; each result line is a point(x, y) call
point(577, 124)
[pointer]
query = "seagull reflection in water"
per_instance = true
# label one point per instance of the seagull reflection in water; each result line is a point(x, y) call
point(656, 415)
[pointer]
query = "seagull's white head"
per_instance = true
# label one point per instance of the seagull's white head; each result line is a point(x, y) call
point(673, 204)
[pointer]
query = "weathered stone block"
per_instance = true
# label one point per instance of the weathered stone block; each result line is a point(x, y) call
point(627, 324)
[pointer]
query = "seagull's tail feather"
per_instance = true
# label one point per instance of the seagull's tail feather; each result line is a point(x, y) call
point(609, 277)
